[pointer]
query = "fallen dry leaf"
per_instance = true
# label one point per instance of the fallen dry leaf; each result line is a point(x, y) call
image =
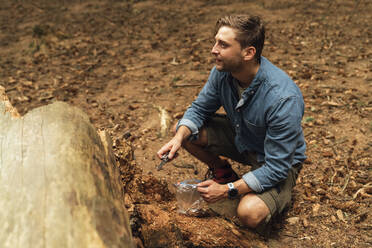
point(340, 215)
point(293, 220)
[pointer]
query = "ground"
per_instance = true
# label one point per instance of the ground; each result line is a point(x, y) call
point(135, 66)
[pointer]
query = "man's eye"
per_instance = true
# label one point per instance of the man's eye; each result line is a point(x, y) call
point(223, 45)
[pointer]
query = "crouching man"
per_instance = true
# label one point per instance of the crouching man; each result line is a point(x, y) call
point(261, 127)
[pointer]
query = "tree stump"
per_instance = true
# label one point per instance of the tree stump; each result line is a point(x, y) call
point(59, 184)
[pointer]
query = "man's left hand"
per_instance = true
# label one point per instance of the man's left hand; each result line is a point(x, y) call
point(212, 191)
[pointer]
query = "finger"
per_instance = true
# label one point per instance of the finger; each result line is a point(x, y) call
point(174, 156)
point(173, 151)
point(202, 190)
point(208, 199)
point(205, 183)
point(160, 152)
point(163, 150)
point(205, 197)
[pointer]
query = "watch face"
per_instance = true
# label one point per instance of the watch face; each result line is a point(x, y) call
point(232, 193)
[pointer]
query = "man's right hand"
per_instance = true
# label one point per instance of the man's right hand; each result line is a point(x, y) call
point(175, 143)
point(172, 146)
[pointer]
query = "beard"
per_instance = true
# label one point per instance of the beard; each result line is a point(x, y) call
point(229, 65)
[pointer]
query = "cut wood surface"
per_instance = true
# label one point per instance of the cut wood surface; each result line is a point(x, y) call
point(59, 183)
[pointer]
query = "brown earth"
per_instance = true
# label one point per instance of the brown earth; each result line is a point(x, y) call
point(130, 64)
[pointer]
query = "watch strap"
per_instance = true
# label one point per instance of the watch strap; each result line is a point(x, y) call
point(233, 192)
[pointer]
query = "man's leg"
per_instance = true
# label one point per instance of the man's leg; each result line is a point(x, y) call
point(215, 139)
point(252, 210)
point(197, 149)
point(257, 209)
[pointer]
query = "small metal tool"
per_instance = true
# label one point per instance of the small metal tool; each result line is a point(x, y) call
point(164, 160)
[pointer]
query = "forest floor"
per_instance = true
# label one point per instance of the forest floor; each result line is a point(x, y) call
point(135, 66)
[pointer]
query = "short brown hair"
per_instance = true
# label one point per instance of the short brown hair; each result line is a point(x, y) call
point(250, 31)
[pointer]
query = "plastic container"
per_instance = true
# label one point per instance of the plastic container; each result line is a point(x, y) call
point(188, 198)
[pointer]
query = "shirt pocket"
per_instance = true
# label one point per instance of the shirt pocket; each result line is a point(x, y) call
point(258, 131)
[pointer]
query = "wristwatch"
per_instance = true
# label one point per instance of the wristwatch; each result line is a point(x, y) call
point(233, 192)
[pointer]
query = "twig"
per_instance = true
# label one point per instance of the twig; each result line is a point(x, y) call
point(184, 166)
point(310, 133)
point(334, 150)
point(361, 214)
point(346, 183)
point(362, 190)
point(108, 19)
point(341, 141)
point(361, 155)
point(333, 177)
point(36, 7)
point(290, 235)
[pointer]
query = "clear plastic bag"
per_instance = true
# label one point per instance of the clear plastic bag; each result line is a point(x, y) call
point(188, 198)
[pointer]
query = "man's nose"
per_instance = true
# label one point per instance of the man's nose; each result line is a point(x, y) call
point(214, 49)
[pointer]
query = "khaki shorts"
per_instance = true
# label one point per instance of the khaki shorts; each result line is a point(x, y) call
point(221, 142)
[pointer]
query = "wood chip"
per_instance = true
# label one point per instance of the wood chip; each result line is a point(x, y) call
point(305, 222)
point(316, 208)
point(333, 219)
point(293, 220)
point(340, 215)
point(327, 154)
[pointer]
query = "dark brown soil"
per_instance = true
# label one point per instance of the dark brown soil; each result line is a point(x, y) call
point(130, 64)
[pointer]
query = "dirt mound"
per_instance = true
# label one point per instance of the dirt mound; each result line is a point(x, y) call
point(154, 218)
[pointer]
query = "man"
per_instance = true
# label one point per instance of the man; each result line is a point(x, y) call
point(262, 125)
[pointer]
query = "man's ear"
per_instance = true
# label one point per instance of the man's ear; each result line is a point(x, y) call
point(249, 53)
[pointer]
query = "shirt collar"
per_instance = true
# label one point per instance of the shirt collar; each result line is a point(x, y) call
point(258, 78)
point(260, 75)
point(256, 82)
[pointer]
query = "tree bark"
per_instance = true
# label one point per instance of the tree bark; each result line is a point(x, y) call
point(59, 184)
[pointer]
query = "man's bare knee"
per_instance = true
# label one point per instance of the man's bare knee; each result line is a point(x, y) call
point(252, 210)
point(249, 218)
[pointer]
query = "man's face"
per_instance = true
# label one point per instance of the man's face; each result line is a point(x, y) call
point(227, 51)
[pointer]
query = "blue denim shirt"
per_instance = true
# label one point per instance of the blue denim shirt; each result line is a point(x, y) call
point(267, 120)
